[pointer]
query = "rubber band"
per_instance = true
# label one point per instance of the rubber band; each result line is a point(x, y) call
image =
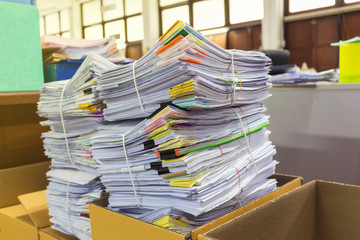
point(221, 150)
point(63, 124)
point(67, 207)
point(130, 170)
point(239, 80)
point(137, 91)
point(238, 173)
point(246, 139)
point(247, 123)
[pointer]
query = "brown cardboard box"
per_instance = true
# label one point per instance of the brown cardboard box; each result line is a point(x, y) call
point(25, 220)
point(52, 234)
point(107, 224)
point(20, 131)
point(20, 180)
point(316, 211)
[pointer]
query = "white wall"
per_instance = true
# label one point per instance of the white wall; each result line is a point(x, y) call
point(317, 132)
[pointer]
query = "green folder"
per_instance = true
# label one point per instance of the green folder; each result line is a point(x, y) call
point(20, 49)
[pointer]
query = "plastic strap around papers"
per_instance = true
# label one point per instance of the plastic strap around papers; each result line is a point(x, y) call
point(137, 91)
point(247, 141)
point(130, 170)
point(68, 205)
point(63, 124)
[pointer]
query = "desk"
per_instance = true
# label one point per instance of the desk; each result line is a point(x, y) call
point(316, 130)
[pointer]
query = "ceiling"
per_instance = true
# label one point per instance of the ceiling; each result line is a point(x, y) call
point(48, 6)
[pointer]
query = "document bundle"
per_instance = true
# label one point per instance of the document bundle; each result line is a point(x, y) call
point(56, 48)
point(74, 180)
point(177, 138)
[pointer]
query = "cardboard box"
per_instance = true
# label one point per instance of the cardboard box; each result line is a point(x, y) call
point(52, 234)
point(20, 180)
point(107, 224)
point(20, 130)
point(29, 220)
point(316, 211)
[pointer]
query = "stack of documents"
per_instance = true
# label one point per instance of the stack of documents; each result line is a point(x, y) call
point(73, 111)
point(297, 76)
point(56, 48)
point(188, 69)
point(184, 163)
point(178, 137)
point(194, 164)
point(68, 195)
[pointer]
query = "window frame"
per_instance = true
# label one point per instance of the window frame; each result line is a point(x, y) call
point(338, 3)
point(61, 32)
point(103, 22)
point(191, 16)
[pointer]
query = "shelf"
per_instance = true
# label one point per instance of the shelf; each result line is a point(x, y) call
point(15, 98)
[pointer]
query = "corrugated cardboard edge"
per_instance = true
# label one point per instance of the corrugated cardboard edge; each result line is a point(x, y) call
point(35, 205)
point(55, 234)
point(337, 210)
point(311, 186)
point(151, 231)
point(287, 187)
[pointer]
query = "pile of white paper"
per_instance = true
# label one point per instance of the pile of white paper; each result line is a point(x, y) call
point(68, 195)
point(187, 162)
point(74, 180)
point(178, 137)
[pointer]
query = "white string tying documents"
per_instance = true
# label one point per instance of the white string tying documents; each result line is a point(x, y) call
point(246, 139)
point(130, 170)
point(63, 124)
point(137, 91)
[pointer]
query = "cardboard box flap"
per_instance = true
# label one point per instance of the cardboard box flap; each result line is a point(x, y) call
point(35, 205)
point(50, 233)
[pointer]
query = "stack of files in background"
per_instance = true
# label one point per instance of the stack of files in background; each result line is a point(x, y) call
point(74, 180)
point(64, 69)
point(56, 48)
point(63, 56)
point(295, 75)
point(180, 165)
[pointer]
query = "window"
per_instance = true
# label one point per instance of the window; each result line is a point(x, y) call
point(351, 1)
point(169, 16)
point(57, 23)
point(210, 14)
point(303, 5)
point(119, 18)
point(246, 11)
